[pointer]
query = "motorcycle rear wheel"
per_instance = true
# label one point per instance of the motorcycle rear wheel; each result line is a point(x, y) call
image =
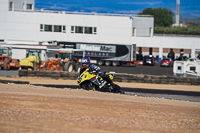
point(118, 89)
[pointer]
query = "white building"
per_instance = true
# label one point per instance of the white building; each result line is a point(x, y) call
point(21, 24)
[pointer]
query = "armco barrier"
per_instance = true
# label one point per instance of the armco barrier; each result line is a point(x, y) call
point(119, 77)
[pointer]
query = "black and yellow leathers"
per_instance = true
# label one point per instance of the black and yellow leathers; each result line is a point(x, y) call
point(91, 80)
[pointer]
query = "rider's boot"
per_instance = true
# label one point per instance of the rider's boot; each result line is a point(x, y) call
point(111, 83)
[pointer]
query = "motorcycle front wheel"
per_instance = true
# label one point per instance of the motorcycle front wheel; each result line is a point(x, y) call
point(87, 86)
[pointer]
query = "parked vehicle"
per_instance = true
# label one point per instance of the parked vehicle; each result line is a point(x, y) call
point(104, 54)
point(138, 63)
point(64, 62)
point(186, 68)
point(149, 60)
point(33, 60)
point(166, 62)
point(6, 61)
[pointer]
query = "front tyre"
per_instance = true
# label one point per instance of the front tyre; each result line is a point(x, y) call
point(87, 86)
point(68, 66)
point(77, 67)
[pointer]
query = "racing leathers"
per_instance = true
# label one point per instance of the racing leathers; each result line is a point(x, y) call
point(104, 75)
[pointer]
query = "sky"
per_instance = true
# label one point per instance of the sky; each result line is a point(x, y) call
point(188, 8)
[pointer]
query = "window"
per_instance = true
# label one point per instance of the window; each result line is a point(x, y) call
point(95, 30)
point(150, 31)
point(65, 55)
point(35, 53)
point(179, 67)
point(64, 29)
point(3, 51)
point(57, 28)
point(84, 30)
point(72, 29)
point(134, 32)
point(79, 29)
point(52, 28)
point(48, 28)
point(41, 27)
point(193, 69)
point(29, 6)
point(11, 6)
point(88, 30)
point(9, 53)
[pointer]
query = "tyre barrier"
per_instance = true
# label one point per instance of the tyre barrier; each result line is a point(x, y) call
point(119, 77)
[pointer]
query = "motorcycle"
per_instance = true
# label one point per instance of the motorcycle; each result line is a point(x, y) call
point(91, 80)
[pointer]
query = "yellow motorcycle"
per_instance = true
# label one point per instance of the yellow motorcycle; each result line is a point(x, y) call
point(91, 80)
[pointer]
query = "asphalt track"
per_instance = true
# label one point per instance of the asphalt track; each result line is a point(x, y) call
point(167, 94)
point(139, 69)
point(150, 70)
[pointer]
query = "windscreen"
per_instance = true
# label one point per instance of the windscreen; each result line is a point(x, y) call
point(65, 55)
point(3, 51)
point(34, 53)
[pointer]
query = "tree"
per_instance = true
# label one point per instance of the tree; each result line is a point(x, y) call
point(163, 17)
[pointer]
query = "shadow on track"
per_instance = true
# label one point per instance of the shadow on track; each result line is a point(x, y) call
point(136, 90)
point(167, 94)
point(58, 86)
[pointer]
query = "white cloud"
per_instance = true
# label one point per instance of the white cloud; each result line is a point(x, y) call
point(195, 14)
point(95, 8)
point(128, 11)
point(141, 3)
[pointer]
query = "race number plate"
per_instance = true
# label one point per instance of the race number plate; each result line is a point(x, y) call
point(102, 84)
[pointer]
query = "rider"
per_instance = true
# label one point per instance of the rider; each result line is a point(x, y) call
point(86, 64)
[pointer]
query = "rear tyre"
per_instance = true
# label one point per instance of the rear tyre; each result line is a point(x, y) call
point(118, 89)
point(6, 65)
point(115, 63)
point(68, 67)
point(107, 63)
point(100, 63)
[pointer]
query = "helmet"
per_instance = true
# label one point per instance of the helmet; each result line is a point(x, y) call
point(85, 61)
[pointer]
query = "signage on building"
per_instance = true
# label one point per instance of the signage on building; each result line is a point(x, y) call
point(98, 50)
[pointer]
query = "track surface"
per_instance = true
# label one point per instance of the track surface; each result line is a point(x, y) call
point(150, 70)
point(168, 94)
point(28, 108)
point(179, 92)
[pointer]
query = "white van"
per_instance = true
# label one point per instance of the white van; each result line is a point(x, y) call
point(186, 68)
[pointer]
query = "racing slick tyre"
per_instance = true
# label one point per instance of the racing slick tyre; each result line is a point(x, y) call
point(118, 89)
point(68, 67)
point(87, 86)
point(6, 65)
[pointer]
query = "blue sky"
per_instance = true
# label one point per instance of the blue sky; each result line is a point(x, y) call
point(188, 8)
